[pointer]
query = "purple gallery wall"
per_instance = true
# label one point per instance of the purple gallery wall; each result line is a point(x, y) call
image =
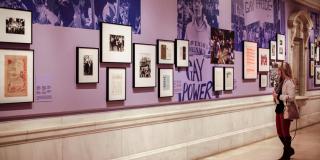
point(56, 91)
point(294, 7)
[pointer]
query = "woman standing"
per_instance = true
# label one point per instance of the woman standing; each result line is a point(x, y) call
point(284, 91)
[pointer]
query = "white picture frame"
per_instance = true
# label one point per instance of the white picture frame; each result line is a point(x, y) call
point(144, 62)
point(281, 47)
point(263, 60)
point(165, 52)
point(273, 50)
point(263, 83)
point(165, 78)
point(218, 79)
point(116, 42)
point(87, 65)
point(250, 60)
point(16, 26)
point(116, 84)
point(16, 76)
point(182, 53)
point(228, 78)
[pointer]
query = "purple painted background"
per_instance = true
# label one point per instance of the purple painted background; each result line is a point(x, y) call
point(55, 58)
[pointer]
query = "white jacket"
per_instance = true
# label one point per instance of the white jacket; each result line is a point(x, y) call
point(288, 91)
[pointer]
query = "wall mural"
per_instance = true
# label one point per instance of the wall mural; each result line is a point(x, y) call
point(81, 13)
point(257, 20)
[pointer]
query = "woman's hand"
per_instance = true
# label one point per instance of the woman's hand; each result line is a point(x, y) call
point(274, 95)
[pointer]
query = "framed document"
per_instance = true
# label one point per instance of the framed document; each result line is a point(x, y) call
point(317, 76)
point(165, 78)
point(16, 76)
point(273, 50)
point(311, 68)
point(182, 53)
point(312, 50)
point(144, 62)
point(281, 47)
point(263, 80)
point(250, 60)
point(116, 84)
point(228, 78)
point(263, 60)
point(165, 52)
point(217, 79)
point(115, 43)
point(15, 26)
point(87, 65)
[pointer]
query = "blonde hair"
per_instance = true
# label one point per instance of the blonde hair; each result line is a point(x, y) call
point(286, 70)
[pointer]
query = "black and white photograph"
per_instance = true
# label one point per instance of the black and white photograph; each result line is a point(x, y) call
point(165, 52)
point(144, 62)
point(273, 50)
point(228, 79)
point(116, 84)
point(15, 26)
point(312, 50)
point(87, 65)
point(317, 76)
point(182, 53)
point(145, 67)
point(281, 47)
point(263, 83)
point(115, 43)
point(165, 80)
point(222, 46)
point(218, 78)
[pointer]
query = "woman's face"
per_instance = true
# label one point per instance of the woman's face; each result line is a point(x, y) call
point(197, 8)
point(279, 72)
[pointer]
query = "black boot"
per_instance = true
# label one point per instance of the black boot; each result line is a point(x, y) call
point(284, 154)
point(288, 147)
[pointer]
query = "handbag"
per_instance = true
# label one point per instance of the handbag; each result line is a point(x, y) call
point(291, 111)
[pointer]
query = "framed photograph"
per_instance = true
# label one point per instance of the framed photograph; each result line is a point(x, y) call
point(16, 76)
point(263, 80)
point(317, 76)
point(87, 65)
point(311, 68)
point(317, 54)
point(217, 79)
point(182, 53)
point(228, 78)
point(144, 62)
point(115, 43)
point(312, 50)
point(222, 46)
point(165, 78)
point(250, 60)
point(165, 51)
point(116, 84)
point(15, 26)
point(263, 61)
point(273, 50)
point(281, 47)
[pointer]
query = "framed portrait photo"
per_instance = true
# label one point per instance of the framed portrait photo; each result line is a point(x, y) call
point(250, 60)
point(16, 76)
point(217, 78)
point(311, 68)
point(273, 50)
point(312, 50)
point(165, 78)
point(281, 47)
point(116, 84)
point(263, 60)
point(87, 65)
point(144, 62)
point(317, 76)
point(263, 83)
point(182, 53)
point(15, 26)
point(115, 43)
point(228, 78)
point(165, 52)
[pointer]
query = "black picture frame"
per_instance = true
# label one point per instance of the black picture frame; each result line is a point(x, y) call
point(317, 76)
point(184, 61)
point(281, 42)
point(225, 87)
point(108, 98)
point(80, 78)
point(29, 98)
point(108, 31)
point(160, 92)
point(271, 45)
point(160, 54)
point(137, 80)
point(265, 76)
point(24, 34)
point(312, 50)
